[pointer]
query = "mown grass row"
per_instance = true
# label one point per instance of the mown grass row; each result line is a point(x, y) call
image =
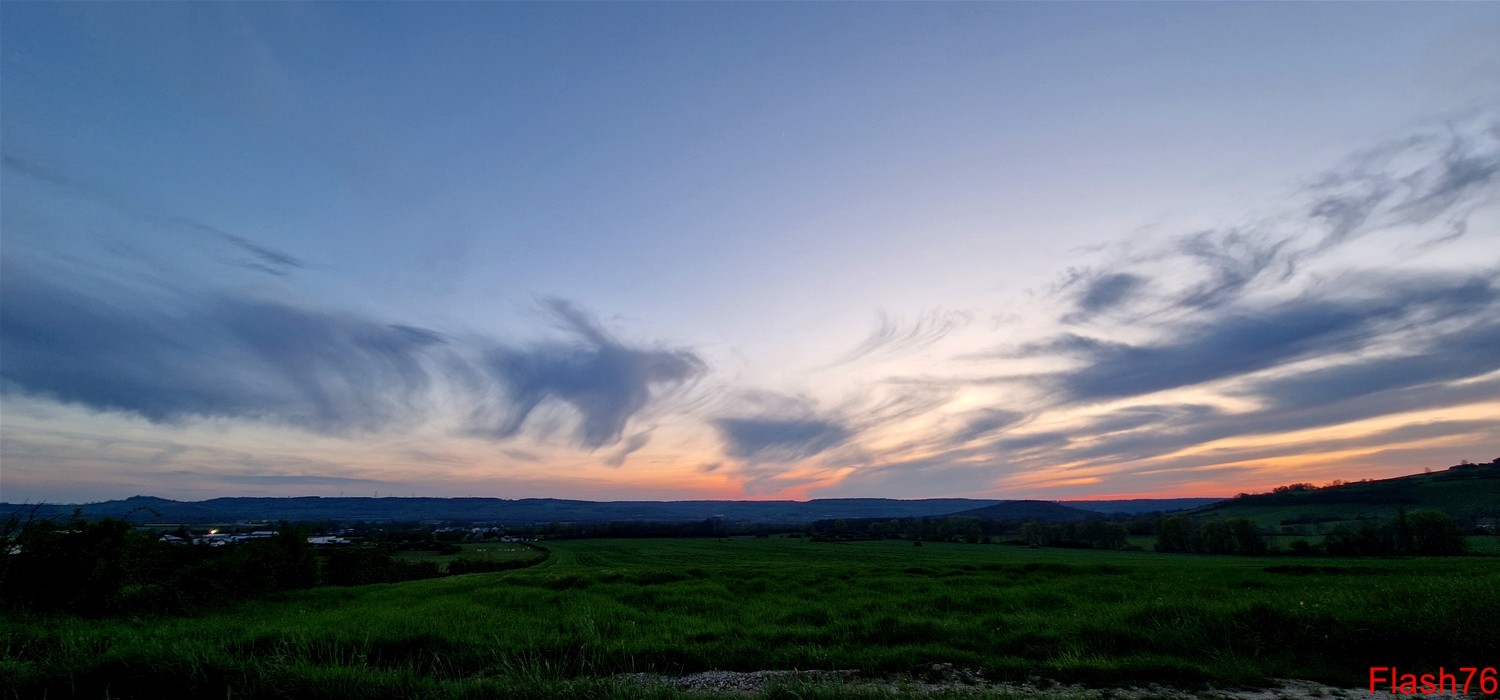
point(598, 608)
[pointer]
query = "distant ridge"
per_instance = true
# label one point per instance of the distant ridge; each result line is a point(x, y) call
point(529, 511)
point(1050, 511)
point(1136, 506)
point(498, 510)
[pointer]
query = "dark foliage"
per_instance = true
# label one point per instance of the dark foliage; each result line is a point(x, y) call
point(1420, 532)
point(362, 565)
point(1229, 536)
point(104, 567)
point(80, 567)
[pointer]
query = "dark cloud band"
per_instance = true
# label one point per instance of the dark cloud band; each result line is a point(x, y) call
point(169, 358)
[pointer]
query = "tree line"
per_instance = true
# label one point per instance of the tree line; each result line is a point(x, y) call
point(1419, 533)
point(1093, 533)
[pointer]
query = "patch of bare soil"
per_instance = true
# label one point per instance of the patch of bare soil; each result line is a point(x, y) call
point(944, 679)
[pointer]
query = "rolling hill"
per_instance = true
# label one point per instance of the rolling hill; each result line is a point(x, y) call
point(1139, 506)
point(1049, 511)
point(1466, 492)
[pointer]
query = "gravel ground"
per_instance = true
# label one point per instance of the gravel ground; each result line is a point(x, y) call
point(947, 680)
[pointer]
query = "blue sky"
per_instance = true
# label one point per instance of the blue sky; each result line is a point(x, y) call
point(768, 250)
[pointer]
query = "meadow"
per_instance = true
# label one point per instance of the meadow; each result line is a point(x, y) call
point(597, 608)
point(476, 551)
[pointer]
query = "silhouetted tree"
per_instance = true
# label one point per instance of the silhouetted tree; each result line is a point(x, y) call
point(1172, 534)
point(1434, 533)
point(1245, 536)
point(78, 567)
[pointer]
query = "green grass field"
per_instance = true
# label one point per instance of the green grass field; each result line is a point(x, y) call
point(484, 551)
point(602, 607)
point(1488, 545)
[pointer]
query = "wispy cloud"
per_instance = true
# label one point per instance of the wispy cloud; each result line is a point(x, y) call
point(250, 254)
point(604, 380)
point(1148, 434)
point(631, 445)
point(1233, 260)
point(939, 476)
point(1250, 341)
point(214, 354)
point(893, 336)
point(1099, 293)
point(297, 480)
point(1233, 313)
point(1443, 172)
point(1272, 316)
point(1454, 356)
point(779, 439)
point(983, 423)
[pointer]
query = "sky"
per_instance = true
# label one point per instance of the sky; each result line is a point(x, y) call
point(625, 251)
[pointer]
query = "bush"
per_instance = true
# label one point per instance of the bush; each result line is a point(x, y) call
point(80, 567)
point(1434, 533)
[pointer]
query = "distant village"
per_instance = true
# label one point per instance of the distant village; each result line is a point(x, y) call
point(214, 537)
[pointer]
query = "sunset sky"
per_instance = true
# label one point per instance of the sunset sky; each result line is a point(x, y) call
point(749, 251)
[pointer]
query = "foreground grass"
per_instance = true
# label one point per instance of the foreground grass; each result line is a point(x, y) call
point(597, 608)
